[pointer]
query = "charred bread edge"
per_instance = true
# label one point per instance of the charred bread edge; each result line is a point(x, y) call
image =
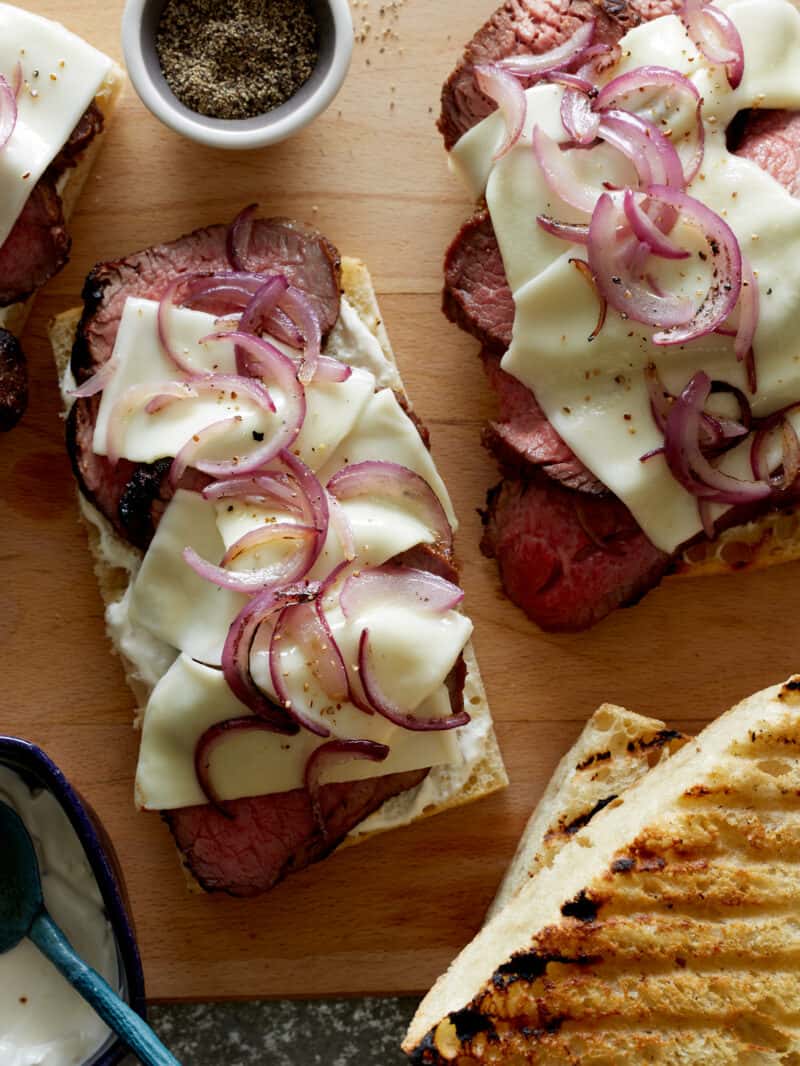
point(488, 774)
point(71, 182)
point(615, 748)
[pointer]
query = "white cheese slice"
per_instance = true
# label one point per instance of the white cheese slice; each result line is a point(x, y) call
point(191, 697)
point(384, 431)
point(331, 409)
point(61, 76)
point(173, 602)
point(594, 392)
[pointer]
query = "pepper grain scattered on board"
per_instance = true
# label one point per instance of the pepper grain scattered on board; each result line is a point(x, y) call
point(236, 59)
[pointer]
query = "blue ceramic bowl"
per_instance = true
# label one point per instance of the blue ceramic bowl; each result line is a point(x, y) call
point(39, 771)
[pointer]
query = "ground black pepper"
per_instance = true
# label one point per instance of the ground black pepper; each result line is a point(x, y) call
point(236, 58)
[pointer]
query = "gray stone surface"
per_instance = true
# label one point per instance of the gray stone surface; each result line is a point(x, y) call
point(354, 1032)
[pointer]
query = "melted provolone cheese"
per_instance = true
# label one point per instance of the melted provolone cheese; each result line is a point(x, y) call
point(190, 698)
point(594, 392)
point(61, 76)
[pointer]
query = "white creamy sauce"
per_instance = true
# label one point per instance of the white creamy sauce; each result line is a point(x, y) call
point(43, 1021)
point(172, 624)
point(594, 392)
point(61, 76)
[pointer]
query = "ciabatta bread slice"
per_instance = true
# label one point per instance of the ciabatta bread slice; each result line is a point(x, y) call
point(667, 931)
point(614, 750)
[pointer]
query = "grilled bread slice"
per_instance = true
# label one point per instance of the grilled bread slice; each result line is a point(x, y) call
point(667, 931)
point(615, 749)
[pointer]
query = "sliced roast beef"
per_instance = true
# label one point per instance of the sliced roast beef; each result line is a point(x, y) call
point(567, 559)
point(772, 140)
point(38, 245)
point(523, 438)
point(87, 128)
point(272, 836)
point(305, 257)
point(476, 294)
point(13, 381)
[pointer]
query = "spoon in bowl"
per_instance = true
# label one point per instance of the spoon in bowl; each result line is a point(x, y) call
point(23, 913)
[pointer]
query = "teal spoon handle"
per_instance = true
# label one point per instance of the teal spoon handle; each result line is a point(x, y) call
point(117, 1015)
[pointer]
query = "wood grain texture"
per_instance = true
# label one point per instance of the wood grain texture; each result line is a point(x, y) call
point(390, 915)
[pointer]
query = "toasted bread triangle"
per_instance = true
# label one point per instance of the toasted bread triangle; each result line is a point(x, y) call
point(666, 931)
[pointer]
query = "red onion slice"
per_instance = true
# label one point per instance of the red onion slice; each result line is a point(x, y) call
point(258, 488)
point(166, 305)
point(748, 322)
point(716, 433)
point(714, 34)
point(506, 91)
point(686, 462)
point(645, 229)
point(313, 492)
point(397, 483)
point(239, 643)
point(613, 95)
point(260, 308)
point(332, 752)
point(286, 571)
point(562, 55)
point(332, 370)
point(387, 708)
point(301, 311)
point(237, 239)
point(134, 397)
point(304, 627)
point(574, 232)
point(211, 738)
point(617, 283)
point(652, 154)
point(726, 256)
point(399, 585)
point(8, 111)
point(585, 271)
point(97, 382)
point(785, 475)
point(560, 177)
point(342, 528)
point(186, 456)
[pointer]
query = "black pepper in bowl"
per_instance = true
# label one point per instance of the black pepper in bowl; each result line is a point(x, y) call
point(236, 59)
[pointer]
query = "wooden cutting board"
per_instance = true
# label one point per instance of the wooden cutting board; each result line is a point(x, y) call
point(388, 916)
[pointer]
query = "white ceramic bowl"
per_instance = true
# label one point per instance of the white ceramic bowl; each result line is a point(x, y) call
point(139, 26)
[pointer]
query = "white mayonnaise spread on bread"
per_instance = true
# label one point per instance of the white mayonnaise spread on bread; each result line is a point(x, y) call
point(594, 393)
point(172, 623)
point(60, 76)
point(43, 1021)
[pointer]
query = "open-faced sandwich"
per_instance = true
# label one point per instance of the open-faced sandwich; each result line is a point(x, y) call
point(662, 928)
point(275, 548)
point(57, 94)
point(631, 275)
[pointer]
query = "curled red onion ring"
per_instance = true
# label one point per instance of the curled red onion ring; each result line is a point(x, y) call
point(305, 627)
point(287, 571)
point(262, 305)
point(616, 281)
point(714, 34)
point(166, 305)
point(574, 232)
point(398, 585)
point(238, 647)
point(645, 230)
point(612, 95)
point(685, 459)
point(398, 483)
point(785, 476)
point(560, 177)
point(196, 443)
point(578, 118)
point(336, 751)
point(343, 529)
point(748, 321)
point(139, 396)
point(562, 55)
point(332, 370)
point(652, 154)
point(716, 433)
point(506, 91)
point(257, 488)
point(8, 111)
point(301, 311)
point(388, 709)
point(237, 239)
point(726, 286)
point(97, 382)
point(211, 738)
point(585, 271)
